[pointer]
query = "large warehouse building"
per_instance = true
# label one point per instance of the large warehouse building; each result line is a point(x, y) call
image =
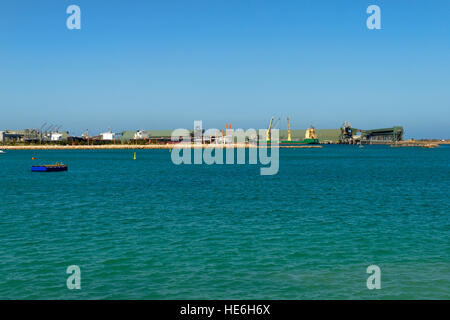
point(385, 135)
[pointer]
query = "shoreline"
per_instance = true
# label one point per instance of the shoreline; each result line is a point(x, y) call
point(137, 147)
point(194, 146)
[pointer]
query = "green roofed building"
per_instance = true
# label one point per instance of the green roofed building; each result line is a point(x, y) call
point(127, 136)
point(160, 134)
point(385, 135)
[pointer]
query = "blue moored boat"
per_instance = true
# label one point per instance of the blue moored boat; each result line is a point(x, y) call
point(49, 168)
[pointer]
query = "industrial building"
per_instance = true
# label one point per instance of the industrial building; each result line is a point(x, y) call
point(8, 136)
point(108, 136)
point(350, 135)
point(386, 135)
point(31, 136)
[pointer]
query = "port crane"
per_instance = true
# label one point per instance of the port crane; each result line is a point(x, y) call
point(268, 133)
point(310, 133)
point(271, 126)
point(289, 129)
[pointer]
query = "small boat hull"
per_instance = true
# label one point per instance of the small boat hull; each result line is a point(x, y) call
point(49, 168)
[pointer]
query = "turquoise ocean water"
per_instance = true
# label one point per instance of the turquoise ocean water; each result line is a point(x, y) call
point(148, 229)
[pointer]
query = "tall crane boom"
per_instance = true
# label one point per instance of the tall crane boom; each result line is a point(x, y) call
point(268, 134)
point(289, 129)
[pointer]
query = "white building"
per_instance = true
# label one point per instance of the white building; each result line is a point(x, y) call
point(56, 136)
point(109, 136)
point(141, 134)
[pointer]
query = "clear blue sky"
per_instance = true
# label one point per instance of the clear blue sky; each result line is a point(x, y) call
point(163, 64)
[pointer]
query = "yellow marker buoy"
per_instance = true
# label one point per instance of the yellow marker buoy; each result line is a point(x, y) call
point(134, 156)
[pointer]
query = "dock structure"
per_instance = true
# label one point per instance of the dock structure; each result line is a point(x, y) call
point(351, 135)
point(347, 134)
